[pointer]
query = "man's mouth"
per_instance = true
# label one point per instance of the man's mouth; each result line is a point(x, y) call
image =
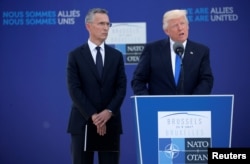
point(181, 34)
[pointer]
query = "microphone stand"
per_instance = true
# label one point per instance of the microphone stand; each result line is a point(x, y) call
point(182, 77)
point(179, 50)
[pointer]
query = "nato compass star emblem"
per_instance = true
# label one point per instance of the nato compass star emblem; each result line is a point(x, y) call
point(171, 151)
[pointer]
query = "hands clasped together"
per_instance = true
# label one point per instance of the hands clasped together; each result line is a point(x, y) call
point(100, 120)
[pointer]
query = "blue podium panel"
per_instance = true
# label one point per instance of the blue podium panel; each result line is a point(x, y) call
point(180, 129)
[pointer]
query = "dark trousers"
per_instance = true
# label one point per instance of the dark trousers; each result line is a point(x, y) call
point(81, 157)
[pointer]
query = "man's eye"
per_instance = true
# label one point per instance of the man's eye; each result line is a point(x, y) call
point(104, 24)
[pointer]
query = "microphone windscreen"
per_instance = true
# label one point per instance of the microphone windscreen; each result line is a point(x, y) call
point(178, 48)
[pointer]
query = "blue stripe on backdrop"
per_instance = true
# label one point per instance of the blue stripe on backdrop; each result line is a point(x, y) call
point(34, 102)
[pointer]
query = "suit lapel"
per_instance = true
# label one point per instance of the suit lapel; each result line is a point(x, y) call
point(89, 60)
point(166, 59)
point(107, 62)
point(189, 54)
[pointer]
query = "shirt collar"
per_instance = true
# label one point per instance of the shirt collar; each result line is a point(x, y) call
point(92, 46)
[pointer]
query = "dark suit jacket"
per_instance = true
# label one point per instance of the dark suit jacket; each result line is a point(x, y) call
point(89, 92)
point(154, 75)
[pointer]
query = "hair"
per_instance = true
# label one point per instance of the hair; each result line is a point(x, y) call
point(173, 14)
point(90, 15)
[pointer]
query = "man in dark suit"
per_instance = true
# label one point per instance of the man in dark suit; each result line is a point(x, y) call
point(155, 72)
point(96, 97)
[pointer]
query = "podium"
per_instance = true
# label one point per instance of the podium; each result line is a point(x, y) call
point(180, 129)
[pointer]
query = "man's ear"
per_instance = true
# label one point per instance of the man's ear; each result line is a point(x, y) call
point(87, 25)
point(166, 31)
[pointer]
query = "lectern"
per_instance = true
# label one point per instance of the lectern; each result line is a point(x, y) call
point(180, 129)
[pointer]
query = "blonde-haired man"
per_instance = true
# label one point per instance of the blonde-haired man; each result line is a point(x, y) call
point(156, 71)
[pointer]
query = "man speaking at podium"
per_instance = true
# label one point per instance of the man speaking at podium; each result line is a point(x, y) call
point(175, 65)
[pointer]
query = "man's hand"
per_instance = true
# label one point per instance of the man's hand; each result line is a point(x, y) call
point(101, 118)
point(101, 130)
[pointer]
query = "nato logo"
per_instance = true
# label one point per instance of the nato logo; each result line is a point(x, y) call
point(181, 150)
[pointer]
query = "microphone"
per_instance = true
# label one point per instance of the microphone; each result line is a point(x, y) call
point(178, 48)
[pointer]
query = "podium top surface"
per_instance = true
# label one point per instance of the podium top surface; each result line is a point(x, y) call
point(219, 95)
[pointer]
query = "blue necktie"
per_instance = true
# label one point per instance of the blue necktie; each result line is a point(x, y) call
point(177, 68)
point(99, 63)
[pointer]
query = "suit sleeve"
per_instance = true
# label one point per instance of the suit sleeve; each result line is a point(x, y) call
point(205, 80)
point(141, 74)
point(120, 86)
point(80, 100)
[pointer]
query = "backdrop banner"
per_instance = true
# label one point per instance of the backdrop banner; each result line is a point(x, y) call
point(36, 38)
